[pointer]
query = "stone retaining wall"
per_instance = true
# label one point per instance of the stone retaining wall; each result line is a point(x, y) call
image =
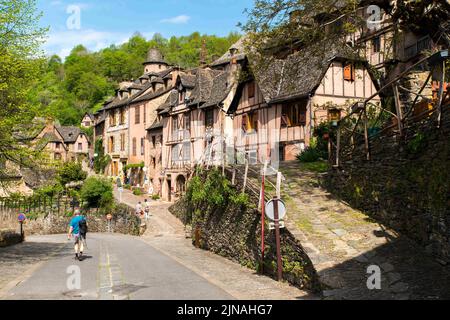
point(406, 184)
point(235, 233)
point(123, 222)
point(9, 238)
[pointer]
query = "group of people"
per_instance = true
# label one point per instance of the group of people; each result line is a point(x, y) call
point(78, 227)
point(143, 210)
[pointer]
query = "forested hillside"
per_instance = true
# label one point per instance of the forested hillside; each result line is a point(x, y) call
point(67, 89)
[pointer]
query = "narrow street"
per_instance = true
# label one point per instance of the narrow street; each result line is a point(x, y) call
point(161, 265)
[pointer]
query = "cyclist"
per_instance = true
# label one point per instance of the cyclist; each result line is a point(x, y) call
point(76, 225)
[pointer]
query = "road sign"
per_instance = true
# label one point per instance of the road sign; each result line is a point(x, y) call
point(109, 217)
point(270, 210)
point(21, 217)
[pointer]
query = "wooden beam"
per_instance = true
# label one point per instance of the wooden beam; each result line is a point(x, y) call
point(398, 108)
point(366, 135)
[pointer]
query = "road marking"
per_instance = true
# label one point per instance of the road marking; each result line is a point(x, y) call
point(110, 275)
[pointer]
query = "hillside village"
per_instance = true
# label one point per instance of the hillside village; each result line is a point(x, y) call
point(376, 102)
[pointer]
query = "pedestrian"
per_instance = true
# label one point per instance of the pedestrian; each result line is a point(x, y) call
point(78, 229)
point(139, 209)
point(147, 209)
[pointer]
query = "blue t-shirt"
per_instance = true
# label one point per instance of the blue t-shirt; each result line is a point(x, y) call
point(75, 224)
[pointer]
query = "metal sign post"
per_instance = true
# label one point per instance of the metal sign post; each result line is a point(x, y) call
point(263, 215)
point(21, 219)
point(278, 239)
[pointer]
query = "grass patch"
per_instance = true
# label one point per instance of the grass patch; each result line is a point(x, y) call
point(317, 167)
point(304, 224)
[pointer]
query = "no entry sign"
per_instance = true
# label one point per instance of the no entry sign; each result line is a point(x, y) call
point(270, 210)
point(21, 217)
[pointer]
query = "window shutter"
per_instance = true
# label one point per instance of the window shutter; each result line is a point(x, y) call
point(349, 72)
point(244, 122)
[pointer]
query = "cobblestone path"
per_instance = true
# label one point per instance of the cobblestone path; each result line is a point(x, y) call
point(343, 242)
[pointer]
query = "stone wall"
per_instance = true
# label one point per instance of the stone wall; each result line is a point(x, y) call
point(123, 222)
point(235, 233)
point(406, 184)
point(9, 238)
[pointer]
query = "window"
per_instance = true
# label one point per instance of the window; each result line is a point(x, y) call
point(293, 115)
point(376, 44)
point(111, 145)
point(187, 126)
point(122, 116)
point(154, 162)
point(112, 118)
point(251, 90)
point(174, 127)
point(137, 116)
point(58, 156)
point(80, 147)
point(209, 118)
point(145, 114)
point(250, 122)
point(142, 146)
point(252, 157)
point(122, 142)
point(154, 142)
point(187, 151)
point(134, 147)
point(58, 145)
point(349, 72)
point(175, 154)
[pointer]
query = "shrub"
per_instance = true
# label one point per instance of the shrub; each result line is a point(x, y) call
point(156, 197)
point(137, 192)
point(97, 192)
point(50, 190)
point(71, 172)
point(310, 154)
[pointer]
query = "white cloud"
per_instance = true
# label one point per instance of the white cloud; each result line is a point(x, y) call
point(182, 19)
point(62, 42)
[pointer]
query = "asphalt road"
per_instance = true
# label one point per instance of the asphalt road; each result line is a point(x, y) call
point(116, 267)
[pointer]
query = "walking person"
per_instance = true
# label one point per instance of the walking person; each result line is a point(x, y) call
point(147, 209)
point(78, 230)
point(139, 209)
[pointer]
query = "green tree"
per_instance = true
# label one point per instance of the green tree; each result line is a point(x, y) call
point(71, 172)
point(97, 192)
point(20, 66)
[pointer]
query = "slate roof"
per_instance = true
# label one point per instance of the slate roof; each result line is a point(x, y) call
point(151, 95)
point(155, 126)
point(226, 58)
point(170, 102)
point(188, 80)
point(211, 87)
point(69, 134)
point(300, 73)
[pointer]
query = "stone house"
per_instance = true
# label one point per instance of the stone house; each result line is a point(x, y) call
point(128, 116)
point(193, 126)
point(88, 120)
point(276, 106)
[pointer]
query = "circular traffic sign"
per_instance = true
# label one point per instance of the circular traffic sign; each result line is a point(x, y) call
point(21, 217)
point(270, 210)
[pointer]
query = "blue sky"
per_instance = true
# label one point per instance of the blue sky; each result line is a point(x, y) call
point(106, 22)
